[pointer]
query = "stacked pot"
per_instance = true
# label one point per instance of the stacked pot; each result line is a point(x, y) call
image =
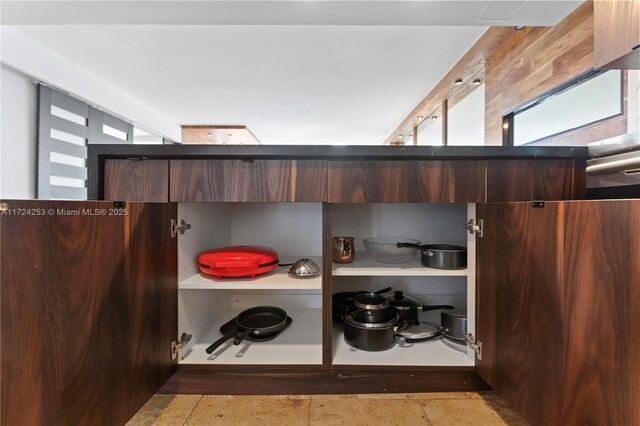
point(372, 325)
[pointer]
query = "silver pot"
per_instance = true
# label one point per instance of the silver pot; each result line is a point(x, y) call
point(454, 325)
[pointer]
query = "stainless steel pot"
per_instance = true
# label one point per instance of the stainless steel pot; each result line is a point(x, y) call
point(454, 325)
point(440, 256)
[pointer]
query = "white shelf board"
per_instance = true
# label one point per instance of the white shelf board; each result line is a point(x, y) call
point(278, 279)
point(363, 265)
point(432, 353)
point(300, 343)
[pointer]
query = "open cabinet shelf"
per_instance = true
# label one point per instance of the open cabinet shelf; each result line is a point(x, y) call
point(278, 279)
point(363, 265)
point(300, 343)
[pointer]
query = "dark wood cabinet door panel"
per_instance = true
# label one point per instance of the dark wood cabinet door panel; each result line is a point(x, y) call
point(248, 181)
point(136, 180)
point(518, 305)
point(601, 312)
point(509, 180)
point(406, 181)
point(151, 267)
point(82, 312)
point(558, 296)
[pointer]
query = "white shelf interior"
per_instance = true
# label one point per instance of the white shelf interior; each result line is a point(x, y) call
point(363, 265)
point(278, 279)
point(201, 313)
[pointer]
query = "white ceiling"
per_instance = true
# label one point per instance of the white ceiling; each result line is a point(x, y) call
point(290, 84)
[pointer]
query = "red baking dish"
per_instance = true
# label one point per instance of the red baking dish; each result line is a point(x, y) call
point(238, 261)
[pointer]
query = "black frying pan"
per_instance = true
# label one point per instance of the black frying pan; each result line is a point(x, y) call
point(260, 321)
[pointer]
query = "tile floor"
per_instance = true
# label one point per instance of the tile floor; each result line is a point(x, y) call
point(453, 408)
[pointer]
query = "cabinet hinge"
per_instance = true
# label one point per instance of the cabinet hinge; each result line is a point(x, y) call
point(474, 228)
point(180, 227)
point(177, 346)
point(475, 345)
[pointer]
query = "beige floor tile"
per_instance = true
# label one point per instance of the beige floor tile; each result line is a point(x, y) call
point(473, 412)
point(250, 410)
point(369, 412)
point(386, 396)
point(442, 395)
point(336, 396)
point(166, 410)
point(482, 395)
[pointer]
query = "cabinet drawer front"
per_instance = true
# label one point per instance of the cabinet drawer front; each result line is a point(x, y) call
point(406, 181)
point(136, 180)
point(248, 181)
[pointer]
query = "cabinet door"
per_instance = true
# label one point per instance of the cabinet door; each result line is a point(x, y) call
point(136, 180)
point(525, 180)
point(406, 181)
point(89, 308)
point(616, 34)
point(558, 296)
point(248, 181)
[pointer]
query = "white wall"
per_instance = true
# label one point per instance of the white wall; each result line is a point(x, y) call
point(466, 120)
point(18, 135)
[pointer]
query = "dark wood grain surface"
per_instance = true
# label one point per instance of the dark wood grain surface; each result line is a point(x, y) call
point(327, 288)
point(136, 180)
point(305, 380)
point(406, 181)
point(558, 296)
point(151, 268)
point(509, 180)
point(64, 317)
point(600, 305)
point(248, 181)
point(88, 312)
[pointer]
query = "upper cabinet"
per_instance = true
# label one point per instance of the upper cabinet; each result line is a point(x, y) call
point(136, 180)
point(383, 181)
point(617, 34)
point(248, 180)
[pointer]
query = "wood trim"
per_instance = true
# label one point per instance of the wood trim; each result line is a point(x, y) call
point(327, 288)
point(308, 380)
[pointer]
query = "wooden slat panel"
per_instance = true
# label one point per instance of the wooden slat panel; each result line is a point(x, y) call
point(601, 306)
point(406, 181)
point(152, 273)
point(136, 180)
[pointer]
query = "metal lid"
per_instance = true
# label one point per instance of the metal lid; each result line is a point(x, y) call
point(423, 330)
point(348, 318)
point(455, 313)
point(370, 302)
point(402, 302)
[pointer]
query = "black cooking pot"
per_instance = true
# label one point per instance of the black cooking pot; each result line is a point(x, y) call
point(343, 302)
point(408, 307)
point(440, 256)
point(368, 336)
point(371, 308)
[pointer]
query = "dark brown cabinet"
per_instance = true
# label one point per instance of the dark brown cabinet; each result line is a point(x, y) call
point(136, 180)
point(89, 306)
point(558, 291)
point(406, 181)
point(525, 180)
point(248, 180)
point(616, 34)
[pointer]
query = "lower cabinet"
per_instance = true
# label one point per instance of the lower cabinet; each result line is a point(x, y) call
point(94, 302)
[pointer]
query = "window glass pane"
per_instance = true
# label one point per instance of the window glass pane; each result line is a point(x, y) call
point(430, 131)
point(466, 120)
point(595, 99)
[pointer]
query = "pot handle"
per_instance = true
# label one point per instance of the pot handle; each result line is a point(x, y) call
point(435, 307)
point(215, 345)
point(240, 336)
point(383, 291)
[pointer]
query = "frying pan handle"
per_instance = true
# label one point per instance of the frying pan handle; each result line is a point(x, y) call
point(240, 336)
point(215, 345)
point(436, 307)
point(408, 245)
